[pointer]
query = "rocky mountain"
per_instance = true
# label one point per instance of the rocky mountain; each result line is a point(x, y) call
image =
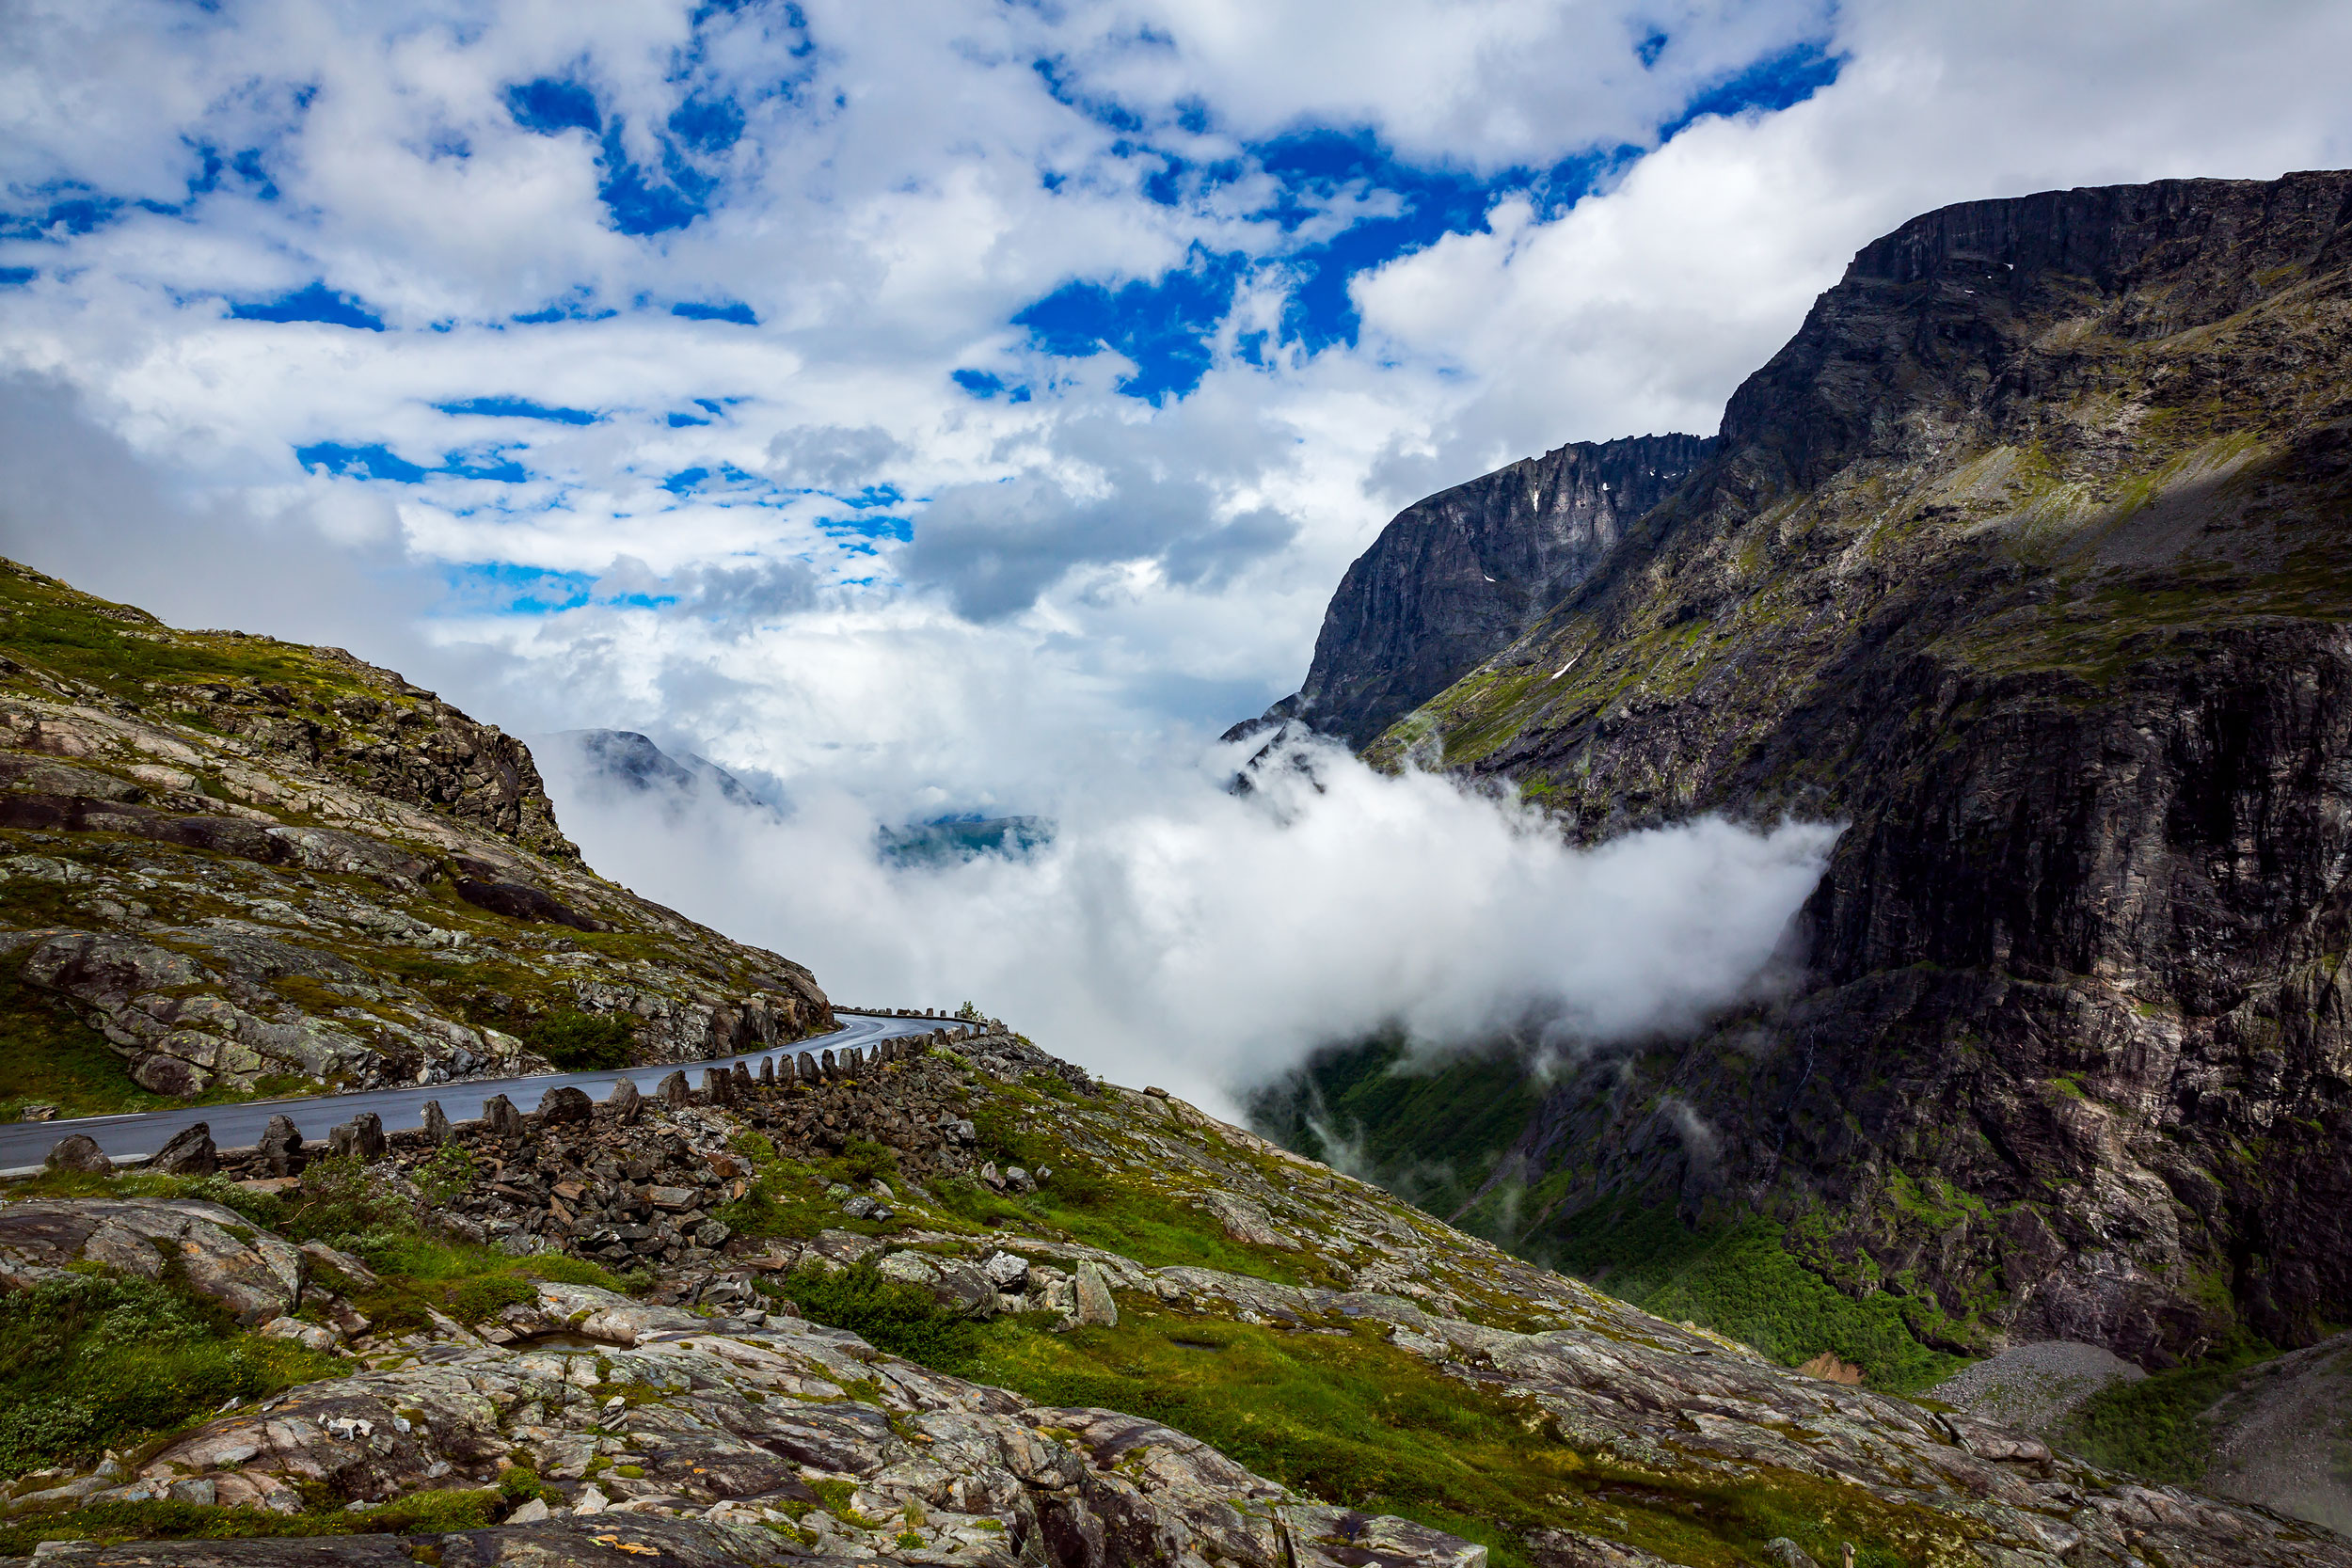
point(2025, 560)
point(625, 760)
point(230, 866)
point(955, 1304)
point(1455, 577)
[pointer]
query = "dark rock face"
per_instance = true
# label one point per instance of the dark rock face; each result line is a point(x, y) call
point(632, 761)
point(190, 1152)
point(1459, 576)
point(2025, 559)
point(79, 1151)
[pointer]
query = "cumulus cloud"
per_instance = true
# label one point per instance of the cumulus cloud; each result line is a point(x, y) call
point(1176, 932)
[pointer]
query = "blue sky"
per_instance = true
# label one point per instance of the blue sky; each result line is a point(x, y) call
point(922, 394)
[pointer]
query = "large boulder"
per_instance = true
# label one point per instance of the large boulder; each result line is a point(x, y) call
point(281, 1147)
point(255, 1275)
point(190, 1152)
point(79, 1151)
point(565, 1104)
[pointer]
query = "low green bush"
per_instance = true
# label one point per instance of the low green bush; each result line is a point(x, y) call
point(1742, 1281)
point(888, 1314)
point(418, 1514)
point(582, 1042)
point(863, 1160)
point(2156, 1428)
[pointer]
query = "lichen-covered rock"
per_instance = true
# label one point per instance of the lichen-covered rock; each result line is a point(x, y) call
point(255, 1275)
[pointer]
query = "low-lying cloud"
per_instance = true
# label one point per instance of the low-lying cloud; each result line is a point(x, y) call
point(1177, 934)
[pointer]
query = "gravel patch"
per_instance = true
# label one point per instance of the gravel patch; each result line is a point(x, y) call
point(2032, 1386)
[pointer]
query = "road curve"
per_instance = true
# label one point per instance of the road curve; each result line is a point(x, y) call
point(238, 1126)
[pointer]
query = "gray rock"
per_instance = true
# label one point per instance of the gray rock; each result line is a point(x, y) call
point(435, 1123)
point(79, 1151)
point(501, 1118)
point(190, 1152)
point(280, 1146)
point(1454, 579)
point(360, 1138)
point(256, 1275)
point(1095, 1305)
point(1005, 1271)
point(625, 1102)
point(564, 1105)
point(859, 1207)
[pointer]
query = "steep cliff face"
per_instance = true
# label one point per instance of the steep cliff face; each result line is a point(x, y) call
point(232, 865)
point(2026, 558)
point(1456, 576)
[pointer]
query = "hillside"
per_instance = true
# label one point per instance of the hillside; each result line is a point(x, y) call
point(231, 866)
point(2025, 561)
point(964, 1306)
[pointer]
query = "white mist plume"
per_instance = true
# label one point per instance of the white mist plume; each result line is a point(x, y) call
point(1177, 934)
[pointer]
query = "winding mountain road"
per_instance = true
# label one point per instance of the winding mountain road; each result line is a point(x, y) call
point(240, 1125)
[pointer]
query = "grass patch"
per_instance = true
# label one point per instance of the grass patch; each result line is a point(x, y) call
point(418, 1514)
point(1741, 1280)
point(1352, 1420)
point(2155, 1427)
point(93, 1361)
point(48, 1056)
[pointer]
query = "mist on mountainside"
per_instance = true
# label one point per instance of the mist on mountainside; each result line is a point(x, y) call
point(1174, 932)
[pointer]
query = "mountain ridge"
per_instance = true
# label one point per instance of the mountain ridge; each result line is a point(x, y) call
point(2024, 558)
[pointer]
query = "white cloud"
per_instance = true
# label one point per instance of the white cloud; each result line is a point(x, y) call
point(1176, 932)
point(906, 182)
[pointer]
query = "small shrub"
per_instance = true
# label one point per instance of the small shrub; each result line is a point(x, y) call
point(340, 1198)
point(863, 1160)
point(886, 1313)
point(1080, 1186)
point(582, 1042)
point(478, 1299)
point(449, 1173)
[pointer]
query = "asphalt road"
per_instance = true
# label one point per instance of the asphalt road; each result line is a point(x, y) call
point(239, 1126)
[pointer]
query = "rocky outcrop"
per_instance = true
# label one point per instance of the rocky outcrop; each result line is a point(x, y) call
point(734, 1421)
point(241, 862)
point(256, 1275)
point(712, 1422)
point(2024, 558)
point(1461, 575)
